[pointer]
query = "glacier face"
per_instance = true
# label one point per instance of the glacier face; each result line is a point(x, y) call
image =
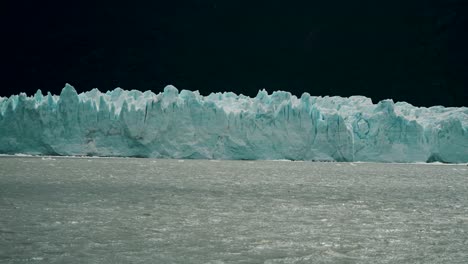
point(185, 124)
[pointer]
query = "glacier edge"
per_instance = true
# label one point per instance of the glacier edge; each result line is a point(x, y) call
point(185, 124)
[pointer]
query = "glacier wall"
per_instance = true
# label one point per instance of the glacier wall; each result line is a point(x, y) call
point(185, 124)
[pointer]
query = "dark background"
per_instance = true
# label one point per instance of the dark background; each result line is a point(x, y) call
point(413, 51)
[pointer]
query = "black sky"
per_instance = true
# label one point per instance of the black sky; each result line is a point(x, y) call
point(414, 51)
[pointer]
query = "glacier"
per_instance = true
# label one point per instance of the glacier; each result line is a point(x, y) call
point(185, 125)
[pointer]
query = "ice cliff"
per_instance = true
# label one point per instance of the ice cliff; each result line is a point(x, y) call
point(185, 124)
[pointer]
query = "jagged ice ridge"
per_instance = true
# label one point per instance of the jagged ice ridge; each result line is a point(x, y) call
point(230, 126)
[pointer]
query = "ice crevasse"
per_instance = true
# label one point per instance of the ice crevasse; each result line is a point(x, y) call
point(185, 124)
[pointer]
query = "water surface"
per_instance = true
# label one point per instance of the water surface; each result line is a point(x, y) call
point(114, 210)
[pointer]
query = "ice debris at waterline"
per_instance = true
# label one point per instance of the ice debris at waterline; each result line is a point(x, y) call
point(230, 126)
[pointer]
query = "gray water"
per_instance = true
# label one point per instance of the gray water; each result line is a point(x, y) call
point(79, 210)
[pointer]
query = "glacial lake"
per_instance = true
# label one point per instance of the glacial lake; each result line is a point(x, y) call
point(125, 210)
